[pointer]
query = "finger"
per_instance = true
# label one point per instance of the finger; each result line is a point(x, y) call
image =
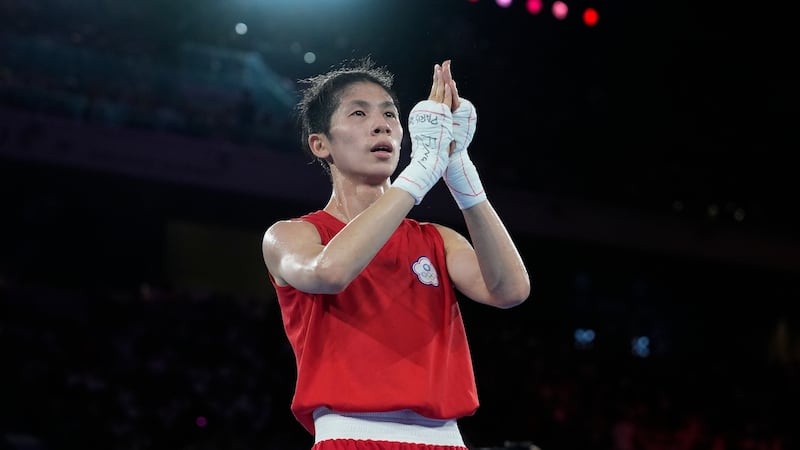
point(438, 86)
point(448, 96)
point(433, 83)
point(447, 76)
point(456, 98)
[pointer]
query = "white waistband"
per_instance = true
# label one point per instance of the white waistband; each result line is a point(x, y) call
point(396, 426)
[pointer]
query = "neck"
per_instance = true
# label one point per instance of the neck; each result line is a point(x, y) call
point(349, 199)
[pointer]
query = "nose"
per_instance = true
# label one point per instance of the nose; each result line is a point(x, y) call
point(382, 127)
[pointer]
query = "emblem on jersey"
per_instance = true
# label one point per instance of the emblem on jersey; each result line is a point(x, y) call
point(423, 268)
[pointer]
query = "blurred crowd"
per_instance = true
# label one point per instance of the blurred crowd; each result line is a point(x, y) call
point(203, 94)
point(147, 369)
point(155, 368)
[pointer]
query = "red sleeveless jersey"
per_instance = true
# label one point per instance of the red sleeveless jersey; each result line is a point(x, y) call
point(393, 339)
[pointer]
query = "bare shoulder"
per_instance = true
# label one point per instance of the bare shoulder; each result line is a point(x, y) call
point(284, 232)
point(284, 241)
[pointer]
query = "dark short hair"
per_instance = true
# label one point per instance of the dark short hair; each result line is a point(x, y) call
point(323, 93)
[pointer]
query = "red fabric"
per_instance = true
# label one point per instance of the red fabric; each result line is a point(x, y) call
point(352, 444)
point(391, 340)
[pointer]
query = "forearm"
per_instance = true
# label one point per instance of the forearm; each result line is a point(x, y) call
point(349, 252)
point(500, 263)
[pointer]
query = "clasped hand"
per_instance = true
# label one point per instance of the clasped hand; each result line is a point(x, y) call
point(441, 128)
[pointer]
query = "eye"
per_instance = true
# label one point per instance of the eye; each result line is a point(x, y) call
point(390, 114)
point(358, 113)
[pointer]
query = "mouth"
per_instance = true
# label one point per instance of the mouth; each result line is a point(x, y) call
point(381, 147)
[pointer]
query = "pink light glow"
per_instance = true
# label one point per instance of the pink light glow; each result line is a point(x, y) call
point(560, 10)
point(534, 6)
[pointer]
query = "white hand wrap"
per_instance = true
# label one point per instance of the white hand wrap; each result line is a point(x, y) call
point(431, 126)
point(461, 175)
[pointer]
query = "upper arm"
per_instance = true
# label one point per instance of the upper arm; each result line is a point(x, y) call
point(291, 249)
point(462, 266)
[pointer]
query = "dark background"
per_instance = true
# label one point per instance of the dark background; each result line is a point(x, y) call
point(644, 167)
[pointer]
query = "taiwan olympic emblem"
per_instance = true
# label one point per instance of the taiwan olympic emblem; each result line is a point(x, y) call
point(426, 273)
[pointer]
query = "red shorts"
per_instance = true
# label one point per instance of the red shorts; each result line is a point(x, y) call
point(353, 444)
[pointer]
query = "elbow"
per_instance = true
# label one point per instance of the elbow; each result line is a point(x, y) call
point(331, 278)
point(514, 296)
point(331, 283)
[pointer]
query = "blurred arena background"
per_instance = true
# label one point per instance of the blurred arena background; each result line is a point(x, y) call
point(641, 156)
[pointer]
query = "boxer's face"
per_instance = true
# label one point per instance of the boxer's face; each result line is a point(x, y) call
point(365, 134)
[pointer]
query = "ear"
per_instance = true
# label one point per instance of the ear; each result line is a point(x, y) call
point(318, 144)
